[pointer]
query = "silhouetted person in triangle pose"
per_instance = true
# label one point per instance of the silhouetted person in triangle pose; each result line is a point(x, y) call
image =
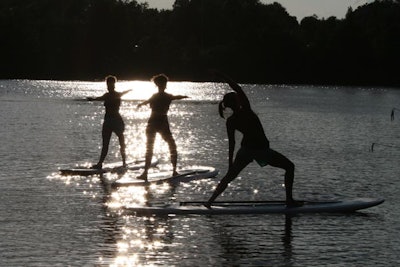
point(254, 145)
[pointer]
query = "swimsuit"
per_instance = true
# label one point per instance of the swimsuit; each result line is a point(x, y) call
point(158, 121)
point(114, 122)
point(261, 156)
point(112, 118)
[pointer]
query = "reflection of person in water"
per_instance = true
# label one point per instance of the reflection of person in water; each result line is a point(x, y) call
point(158, 122)
point(254, 145)
point(112, 120)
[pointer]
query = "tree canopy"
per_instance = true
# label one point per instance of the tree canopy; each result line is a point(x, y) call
point(252, 41)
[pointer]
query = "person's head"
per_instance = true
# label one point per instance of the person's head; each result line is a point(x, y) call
point(161, 81)
point(111, 80)
point(231, 101)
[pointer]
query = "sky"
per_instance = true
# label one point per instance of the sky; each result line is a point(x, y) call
point(297, 8)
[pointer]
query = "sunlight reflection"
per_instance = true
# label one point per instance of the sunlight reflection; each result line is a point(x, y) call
point(132, 195)
point(140, 238)
point(140, 90)
point(126, 261)
point(136, 239)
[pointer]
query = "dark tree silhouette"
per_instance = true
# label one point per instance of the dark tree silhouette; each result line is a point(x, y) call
point(254, 42)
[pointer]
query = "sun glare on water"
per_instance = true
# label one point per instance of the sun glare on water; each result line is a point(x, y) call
point(136, 237)
point(140, 90)
point(143, 90)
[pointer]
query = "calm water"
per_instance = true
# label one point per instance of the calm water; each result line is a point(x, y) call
point(49, 220)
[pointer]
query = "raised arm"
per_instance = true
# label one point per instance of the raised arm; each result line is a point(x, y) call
point(244, 101)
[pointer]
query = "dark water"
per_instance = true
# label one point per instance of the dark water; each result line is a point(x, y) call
point(49, 220)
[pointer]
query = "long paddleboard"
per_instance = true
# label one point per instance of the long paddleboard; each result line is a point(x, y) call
point(112, 167)
point(185, 175)
point(258, 207)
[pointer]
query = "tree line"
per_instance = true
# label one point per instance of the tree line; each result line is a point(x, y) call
point(252, 41)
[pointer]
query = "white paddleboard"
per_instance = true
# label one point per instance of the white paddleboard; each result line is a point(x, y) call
point(111, 167)
point(185, 175)
point(258, 207)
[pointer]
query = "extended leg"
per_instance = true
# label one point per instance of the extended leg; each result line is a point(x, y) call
point(238, 165)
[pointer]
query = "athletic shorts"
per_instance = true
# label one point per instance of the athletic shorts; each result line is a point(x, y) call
point(261, 156)
point(158, 126)
point(114, 123)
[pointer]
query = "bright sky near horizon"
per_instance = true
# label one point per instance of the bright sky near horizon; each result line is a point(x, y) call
point(297, 8)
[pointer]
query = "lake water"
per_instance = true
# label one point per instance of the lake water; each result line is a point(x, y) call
point(50, 220)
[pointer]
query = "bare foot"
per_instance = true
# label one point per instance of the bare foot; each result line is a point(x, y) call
point(98, 166)
point(294, 203)
point(208, 205)
point(142, 177)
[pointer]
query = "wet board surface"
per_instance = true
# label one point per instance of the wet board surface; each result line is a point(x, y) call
point(185, 175)
point(258, 207)
point(111, 167)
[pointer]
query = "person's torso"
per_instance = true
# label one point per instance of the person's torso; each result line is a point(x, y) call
point(159, 104)
point(248, 123)
point(112, 103)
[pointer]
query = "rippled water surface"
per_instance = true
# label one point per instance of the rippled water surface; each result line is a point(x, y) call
point(50, 220)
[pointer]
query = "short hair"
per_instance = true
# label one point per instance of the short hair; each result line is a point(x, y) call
point(111, 79)
point(160, 79)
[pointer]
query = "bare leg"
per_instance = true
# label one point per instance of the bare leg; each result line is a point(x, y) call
point(122, 145)
point(238, 165)
point(106, 135)
point(149, 153)
point(172, 150)
point(280, 161)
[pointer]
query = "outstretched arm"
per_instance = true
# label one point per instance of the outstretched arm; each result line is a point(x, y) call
point(178, 97)
point(125, 92)
point(100, 98)
point(143, 103)
point(244, 101)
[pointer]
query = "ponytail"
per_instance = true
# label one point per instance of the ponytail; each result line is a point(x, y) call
point(221, 108)
point(230, 100)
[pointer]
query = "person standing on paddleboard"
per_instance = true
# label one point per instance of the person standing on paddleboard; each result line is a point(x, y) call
point(254, 145)
point(113, 121)
point(158, 122)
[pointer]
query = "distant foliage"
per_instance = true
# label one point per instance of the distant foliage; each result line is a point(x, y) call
point(253, 42)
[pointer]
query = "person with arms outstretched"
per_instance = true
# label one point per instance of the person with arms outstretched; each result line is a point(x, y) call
point(254, 145)
point(113, 121)
point(158, 123)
